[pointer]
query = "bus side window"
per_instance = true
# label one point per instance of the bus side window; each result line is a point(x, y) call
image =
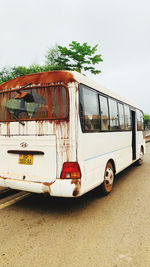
point(104, 113)
point(121, 116)
point(140, 120)
point(89, 115)
point(127, 117)
point(114, 118)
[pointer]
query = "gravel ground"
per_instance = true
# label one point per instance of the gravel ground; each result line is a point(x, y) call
point(112, 231)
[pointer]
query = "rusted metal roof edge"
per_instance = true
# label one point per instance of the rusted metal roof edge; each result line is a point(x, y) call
point(56, 77)
point(39, 79)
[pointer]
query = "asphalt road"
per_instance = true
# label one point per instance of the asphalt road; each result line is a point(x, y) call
point(112, 231)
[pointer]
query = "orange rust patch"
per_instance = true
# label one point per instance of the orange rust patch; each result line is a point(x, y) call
point(76, 190)
point(47, 184)
point(3, 178)
point(41, 78)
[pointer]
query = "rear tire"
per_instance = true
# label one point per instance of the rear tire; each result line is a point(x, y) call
point(107, 185)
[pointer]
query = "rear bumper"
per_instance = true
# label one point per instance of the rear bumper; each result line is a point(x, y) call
point(59, 188)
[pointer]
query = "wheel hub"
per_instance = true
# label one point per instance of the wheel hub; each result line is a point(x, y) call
point(109, 176)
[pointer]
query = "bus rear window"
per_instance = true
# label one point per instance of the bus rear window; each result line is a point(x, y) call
point(34, 104)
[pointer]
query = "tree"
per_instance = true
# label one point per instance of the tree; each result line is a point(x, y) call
point(147, 120)
point(77, 57)
point(51, 56)
point(8, 73)
point(5, 74)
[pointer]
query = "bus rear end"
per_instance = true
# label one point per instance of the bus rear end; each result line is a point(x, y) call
point(37, 135)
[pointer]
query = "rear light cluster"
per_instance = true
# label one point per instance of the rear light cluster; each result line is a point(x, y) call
point(70, 170)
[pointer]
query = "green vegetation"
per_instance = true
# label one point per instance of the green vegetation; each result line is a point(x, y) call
point(8, 73)
point(147, 120)
point(76, 57)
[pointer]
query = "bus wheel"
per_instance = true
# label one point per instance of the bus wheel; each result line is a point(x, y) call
point(140, 160)
point(107, 185)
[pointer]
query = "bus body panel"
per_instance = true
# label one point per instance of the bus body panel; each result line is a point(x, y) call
point(63, 141)
point(43, 154)
point(59, 140)
point(59, 188)
point(140, 140)
point(96, 149)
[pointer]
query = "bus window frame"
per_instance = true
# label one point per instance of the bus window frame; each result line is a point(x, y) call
point(107, 96)
point(99, 95)
point(143, 123)
point(81, 103)
point(9, 120)
point(121, 103)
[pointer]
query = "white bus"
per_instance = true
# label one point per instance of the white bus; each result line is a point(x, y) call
point(64, 134)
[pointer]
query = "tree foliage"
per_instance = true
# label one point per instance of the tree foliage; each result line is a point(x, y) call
point(147, 120)
point(8, 73)
point(51, 56)
point(79, 57)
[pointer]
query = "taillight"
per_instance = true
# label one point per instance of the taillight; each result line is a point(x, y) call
point(70, 170)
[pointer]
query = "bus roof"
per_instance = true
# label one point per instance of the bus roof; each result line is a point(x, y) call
point(52, 77)
point(93, 84)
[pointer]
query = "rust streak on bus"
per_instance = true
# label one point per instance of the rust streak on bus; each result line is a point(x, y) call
point(43, 78)
point(77, 183)
point(3, 178)
point(48, 184)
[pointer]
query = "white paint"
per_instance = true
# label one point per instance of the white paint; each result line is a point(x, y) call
point(63, 142)
point(44, 166)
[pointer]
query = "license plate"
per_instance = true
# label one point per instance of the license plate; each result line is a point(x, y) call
point(26, 159)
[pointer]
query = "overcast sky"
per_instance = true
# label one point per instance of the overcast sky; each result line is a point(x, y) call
point(121, 28)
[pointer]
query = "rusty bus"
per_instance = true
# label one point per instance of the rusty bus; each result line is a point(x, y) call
point(64, 134)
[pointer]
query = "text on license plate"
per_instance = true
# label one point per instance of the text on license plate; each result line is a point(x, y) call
point(25, 159)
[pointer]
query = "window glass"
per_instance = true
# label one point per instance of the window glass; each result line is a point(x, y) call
point(89, 110)
point(127, 117)
point(34, 104)
point(121, 115)
point(140, 120)
point(114, 122)
point(104, 113)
